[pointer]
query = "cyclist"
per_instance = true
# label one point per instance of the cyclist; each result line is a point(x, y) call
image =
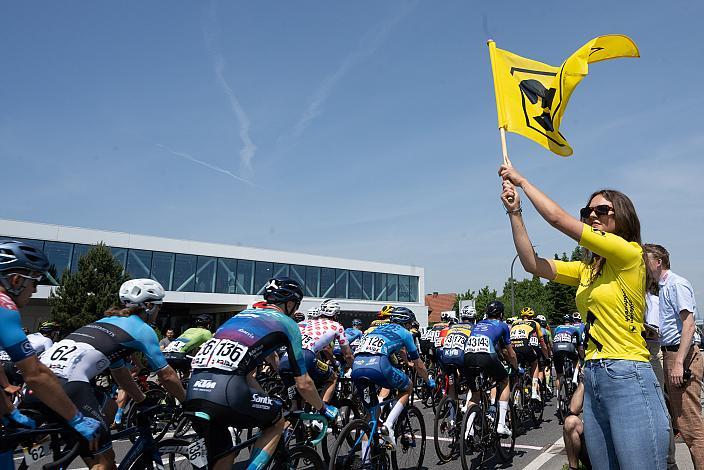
point(178, 351)
point(107, 342)
point(317, 335)
point(567, 343)
point(544, 361)
point(577, 321)
point(382, 318)
point(527, 340)
point(45, 336)
point(451, 355)
point(223, 383)
point(489, 343)
point(21, 269)
point(376, 362)
point(354, 334)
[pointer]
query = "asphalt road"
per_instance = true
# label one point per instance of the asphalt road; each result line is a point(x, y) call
point(539, 448)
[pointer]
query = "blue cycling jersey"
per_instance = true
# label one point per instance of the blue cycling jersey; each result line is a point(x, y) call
point(386, 340)
point(567, 334)
point(491, 335)
point(12, 337)
point(105, 343)
point(353, 335)
point(243, 341)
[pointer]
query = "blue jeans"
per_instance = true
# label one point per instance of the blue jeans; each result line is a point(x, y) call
point(626, 424)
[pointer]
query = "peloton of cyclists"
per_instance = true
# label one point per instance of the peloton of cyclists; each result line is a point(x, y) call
point(528, 342)
point(223, 384)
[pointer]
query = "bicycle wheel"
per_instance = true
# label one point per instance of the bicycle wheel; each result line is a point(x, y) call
point(445, 429)
point(563, 401)
point(471, 435)
point(410, 440)
point(348, 412)
point(160, 421)
point(299, 457)
point(537, 407)
point(505, 445)
point(354, 449)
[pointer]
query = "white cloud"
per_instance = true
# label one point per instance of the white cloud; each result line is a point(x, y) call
point(210, 32)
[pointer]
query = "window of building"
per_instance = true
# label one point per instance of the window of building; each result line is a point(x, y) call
point(355, 285)
point(184, 273)
point(367, 285)
point(341, 277)
point(404, 294)
point(227, 276)
point(298, 273)
point(379, 286)
point(163, 268)
point(120, 254)
point(392, 287)
point(139, 263)
point(312, 281)
point(327, 282)
point(59, 255)
point(205, 274)
point(280, 270)
point(78, 252)
point(413, 289)
point(262, 273)
point(245, 276)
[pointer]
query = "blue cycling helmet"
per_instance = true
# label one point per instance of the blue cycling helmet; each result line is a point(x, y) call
point(17, 255)
point(280, 290)
point(402, 315)
point(356, 322)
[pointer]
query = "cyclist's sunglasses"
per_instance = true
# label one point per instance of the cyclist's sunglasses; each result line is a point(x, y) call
point(601, 209)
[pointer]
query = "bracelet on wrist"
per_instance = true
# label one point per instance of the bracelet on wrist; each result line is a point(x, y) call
point(518, 210)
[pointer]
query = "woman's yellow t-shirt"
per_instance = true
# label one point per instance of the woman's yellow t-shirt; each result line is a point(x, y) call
point(612, 306)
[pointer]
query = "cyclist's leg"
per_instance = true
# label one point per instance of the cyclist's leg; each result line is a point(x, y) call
point(559, 363)
point(264, 446)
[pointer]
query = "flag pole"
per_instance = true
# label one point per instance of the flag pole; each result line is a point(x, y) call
point(499, 105)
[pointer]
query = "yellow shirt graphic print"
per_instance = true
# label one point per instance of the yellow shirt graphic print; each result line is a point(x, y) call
point(612, 304)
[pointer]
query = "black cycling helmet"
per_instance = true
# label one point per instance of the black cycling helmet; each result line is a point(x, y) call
point(402, 315)
point(567, 318)
point(356, 322)
point(203, 320)
point(280, 290)
point(495, 309)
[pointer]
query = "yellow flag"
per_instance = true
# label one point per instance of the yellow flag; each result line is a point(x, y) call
point(531, 97)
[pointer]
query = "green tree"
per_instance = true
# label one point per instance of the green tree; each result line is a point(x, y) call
point(562, 296)
point(469, 295)
point(82, 297)
point(484, 296)
point(528, 293)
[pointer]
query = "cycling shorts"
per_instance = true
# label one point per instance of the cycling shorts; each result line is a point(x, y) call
point(527, 354)
point(487, 362)
point(229, 401)
point(451, 357)
point(12, 373)
point(380, 371)
point(178, 361)
point(559, 360)
point(318, 370)
point(87, 400)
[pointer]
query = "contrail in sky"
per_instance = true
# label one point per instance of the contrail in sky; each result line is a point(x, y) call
point(210, 32)
point(368, 45)
point(206, 164)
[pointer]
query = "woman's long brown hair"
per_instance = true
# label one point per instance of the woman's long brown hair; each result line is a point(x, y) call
point(627, 227)
point(123, 312)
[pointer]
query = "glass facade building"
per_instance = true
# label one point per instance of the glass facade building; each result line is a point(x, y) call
point(208, 274)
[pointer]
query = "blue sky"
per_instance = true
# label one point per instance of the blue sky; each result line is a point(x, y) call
point(359, 129)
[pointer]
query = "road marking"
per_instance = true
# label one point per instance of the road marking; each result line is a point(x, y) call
point(517, 446)
point(543, 458)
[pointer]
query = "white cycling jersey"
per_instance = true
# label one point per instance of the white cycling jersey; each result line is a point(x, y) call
point(318, 333)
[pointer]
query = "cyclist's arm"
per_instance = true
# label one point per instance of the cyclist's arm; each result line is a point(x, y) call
point(43, 383)
point(347, 354)
point(171, 382)
point(123, 377)
point(306, 387)
point(420, 367)
point(511, 355)
point(273, 360)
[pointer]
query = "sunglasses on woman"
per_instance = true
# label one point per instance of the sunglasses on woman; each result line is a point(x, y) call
point(601, 209)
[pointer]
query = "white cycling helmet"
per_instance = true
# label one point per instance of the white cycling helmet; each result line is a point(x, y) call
point(468, 313)
point(447, 316)
point(329, 308)
point(135, 292)
point(313, 312)
point(541, 318)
